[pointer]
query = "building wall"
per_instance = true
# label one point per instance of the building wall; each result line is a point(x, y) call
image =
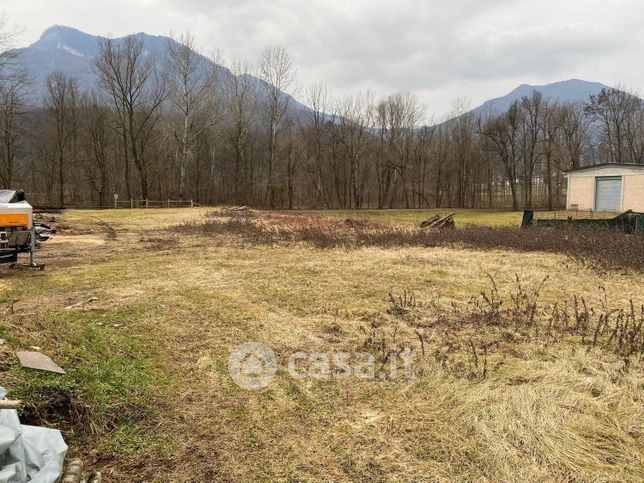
point(634, 192)
point(581, 192)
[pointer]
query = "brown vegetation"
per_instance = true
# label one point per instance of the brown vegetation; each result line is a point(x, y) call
point(493, 323)
point(600, 247)
point(518, 383)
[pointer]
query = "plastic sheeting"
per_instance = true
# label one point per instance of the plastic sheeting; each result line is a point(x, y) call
point(12, 196)
point(29, 453)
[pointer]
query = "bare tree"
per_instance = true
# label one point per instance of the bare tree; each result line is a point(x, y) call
point(318, 101)
point(7, 40)
point(241, 98)
point(276, 71)
point(61, 106)
point(211, 140)
point(501, 137)
point(613, 112)
point(396, 118)
point(356, 124)
point(126, 74)
point(13, 108)
point(13, 87)
point(97, 119)
point(634, 132)
point(293, 152)
point(190, 77)
point(552, 162)
point(440, 154)
point(463, 127)
point(531, 127)
point(573, 134)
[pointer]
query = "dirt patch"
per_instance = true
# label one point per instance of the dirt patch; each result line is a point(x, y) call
point(159, 243)
point(110, 232)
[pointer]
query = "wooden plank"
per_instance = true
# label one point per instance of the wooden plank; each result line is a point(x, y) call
point(38, 361)
point(8, 404)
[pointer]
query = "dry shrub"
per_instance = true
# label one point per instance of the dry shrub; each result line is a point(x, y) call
point(595, 246)
point(490, 325)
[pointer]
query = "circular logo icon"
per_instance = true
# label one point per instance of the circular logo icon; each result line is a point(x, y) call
point(252, 365)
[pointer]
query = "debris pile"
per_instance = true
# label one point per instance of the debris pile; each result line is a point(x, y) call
point(28, 453)
point(43, 231)
point(438, 221)
point(235, 209)
point(81, 303)
point(31, 453)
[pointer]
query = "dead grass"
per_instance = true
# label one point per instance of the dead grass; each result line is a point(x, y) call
point(413, 218)
point(599, 247)
point(548, 409)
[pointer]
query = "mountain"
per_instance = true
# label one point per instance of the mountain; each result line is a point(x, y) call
point(59, 48)
point(570, 91)
point(73, 52)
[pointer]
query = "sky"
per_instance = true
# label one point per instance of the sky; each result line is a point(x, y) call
point(440, 50)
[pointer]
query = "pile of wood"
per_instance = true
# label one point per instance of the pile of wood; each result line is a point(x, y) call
point(74, 474)
point(438, 221)
point(235, 209)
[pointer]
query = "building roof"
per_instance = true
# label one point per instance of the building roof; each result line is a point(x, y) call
point(607, 165)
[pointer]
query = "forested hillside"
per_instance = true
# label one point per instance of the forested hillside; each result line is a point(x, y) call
point(166, 122)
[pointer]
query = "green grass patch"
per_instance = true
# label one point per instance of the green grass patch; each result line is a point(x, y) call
point(108, 390)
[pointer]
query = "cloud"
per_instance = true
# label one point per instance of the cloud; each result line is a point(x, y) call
point(439, 50)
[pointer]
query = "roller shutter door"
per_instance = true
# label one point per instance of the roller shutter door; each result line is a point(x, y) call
point(608, 193)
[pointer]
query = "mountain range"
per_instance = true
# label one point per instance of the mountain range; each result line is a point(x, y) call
point(73, 52)
point(569, 91)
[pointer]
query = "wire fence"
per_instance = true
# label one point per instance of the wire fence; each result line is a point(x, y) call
point(573, 214)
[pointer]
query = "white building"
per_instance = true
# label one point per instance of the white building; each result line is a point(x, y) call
point(606, 187)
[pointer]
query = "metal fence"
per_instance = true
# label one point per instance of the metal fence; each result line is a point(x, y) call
point(573, 214)
point(132, 203)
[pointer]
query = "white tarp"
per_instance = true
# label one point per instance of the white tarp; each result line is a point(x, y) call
point(11, 196)
point(28, 453)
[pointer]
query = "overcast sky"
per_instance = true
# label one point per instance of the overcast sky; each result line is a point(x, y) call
point(438, 49)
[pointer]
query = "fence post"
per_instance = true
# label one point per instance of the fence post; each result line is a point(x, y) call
point(192, 203)
point(146, 202)
point(116, 201)
point(131, 203)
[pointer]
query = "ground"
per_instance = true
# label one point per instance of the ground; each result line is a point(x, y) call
point(148, 394)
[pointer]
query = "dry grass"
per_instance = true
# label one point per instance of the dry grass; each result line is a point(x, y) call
point(599, 247)
point(172, 305)
point(416, 216)
point(463, 217)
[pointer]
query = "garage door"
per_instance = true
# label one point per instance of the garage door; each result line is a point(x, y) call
point(608, 193)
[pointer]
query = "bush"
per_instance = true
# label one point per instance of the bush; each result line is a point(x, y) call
point(595, 246)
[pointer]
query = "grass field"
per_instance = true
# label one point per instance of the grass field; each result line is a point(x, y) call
point(497, 395)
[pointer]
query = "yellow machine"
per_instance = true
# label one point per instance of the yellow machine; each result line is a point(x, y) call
point(16, 226)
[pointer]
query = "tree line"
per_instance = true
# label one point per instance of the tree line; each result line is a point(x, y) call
point(183, 127)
